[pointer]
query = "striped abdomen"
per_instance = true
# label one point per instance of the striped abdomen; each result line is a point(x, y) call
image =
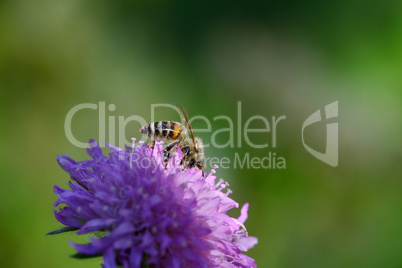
point(164, 131)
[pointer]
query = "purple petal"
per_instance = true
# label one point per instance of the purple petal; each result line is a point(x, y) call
point(66, 163)
point(123, 229)
point(87, 249)
point(95, 152)
point(103, 242)
point(67, 217)
point(96, 225)
point(135, 258)
point(109, 258)
point(243, 213)
point(123, 243)
point(245, 243)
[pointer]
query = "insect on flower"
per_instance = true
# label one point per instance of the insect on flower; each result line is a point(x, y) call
point(174, 132)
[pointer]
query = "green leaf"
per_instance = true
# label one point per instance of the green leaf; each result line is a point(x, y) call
point(98, 234)
point(84, 256)
point(63, 230)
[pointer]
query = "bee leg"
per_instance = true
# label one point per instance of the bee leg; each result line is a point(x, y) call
point(200, 166)
point(166, 156)
point(191, 164)
point(166, 159)
point(166, 152)
point(170, 146)
point(186, 151)
point(151, 144)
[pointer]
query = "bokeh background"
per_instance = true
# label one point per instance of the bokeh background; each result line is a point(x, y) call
point(275, 57)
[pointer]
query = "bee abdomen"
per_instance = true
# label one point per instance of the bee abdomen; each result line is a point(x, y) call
point(163, 130)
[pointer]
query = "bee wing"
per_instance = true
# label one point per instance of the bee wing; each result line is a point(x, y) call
point(187, 123)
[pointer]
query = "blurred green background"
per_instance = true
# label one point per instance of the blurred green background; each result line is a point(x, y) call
point(275, 57)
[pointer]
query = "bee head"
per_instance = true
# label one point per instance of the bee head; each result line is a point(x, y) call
point(144, 129)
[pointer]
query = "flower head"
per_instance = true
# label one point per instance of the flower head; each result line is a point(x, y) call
point(150, 215)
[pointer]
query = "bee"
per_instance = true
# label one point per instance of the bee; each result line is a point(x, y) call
point(169, 131)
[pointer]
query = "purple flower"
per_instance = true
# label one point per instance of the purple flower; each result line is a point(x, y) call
point(148, 215)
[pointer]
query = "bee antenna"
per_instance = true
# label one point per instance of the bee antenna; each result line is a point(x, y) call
point(188, 126)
